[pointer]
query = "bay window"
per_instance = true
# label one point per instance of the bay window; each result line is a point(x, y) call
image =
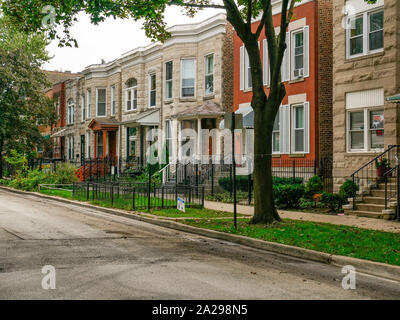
point(100, 102)
point(168, 79)
point(152, 90)
point(365, 34)
point(209, 74)
point(188, 78)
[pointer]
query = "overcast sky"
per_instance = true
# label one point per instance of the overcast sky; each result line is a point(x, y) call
point(108, 40)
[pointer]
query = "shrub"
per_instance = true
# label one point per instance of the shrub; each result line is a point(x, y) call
point(65, 174)
point(306, 203)
point(332, 201)
point(288, 195)
point(348, 189)
point(243, 182)
point(313, 186)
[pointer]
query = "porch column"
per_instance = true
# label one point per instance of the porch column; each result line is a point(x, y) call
point(104, 143)
point(199, 149)
point(95, 143)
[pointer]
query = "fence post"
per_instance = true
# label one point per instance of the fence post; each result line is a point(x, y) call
point(73, 189)
point(354, 195)
point(294, 171)
point(315, 167)
point(202, 197)
point(104, 169)
point(133, 198)
point(112, 194)
point(231, 179)
point(87, 191)
point(212, 178)
point(249, 188)
point(197, 174)
point(149, 190)
point(162, 197)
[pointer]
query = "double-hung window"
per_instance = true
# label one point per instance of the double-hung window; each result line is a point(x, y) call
point(131, 94)
point(168, 80)
point(209, 74)
point(276, 135)
point(298, 54)
point(83, 110)
point(131, 141)
point(88, 103)
point(57, 107)
point(113, 110)
point(245, 70)
point(365, 33)
point(100, 102)
point(366, 129)
point(168, 138)
point(71, 148)
point(152, 90)
point(100, 144)
point(188, 78)
point(298, 119)
point(70, 112)
point(88, 144)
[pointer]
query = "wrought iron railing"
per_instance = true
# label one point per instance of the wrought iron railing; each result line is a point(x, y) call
point(392, 188)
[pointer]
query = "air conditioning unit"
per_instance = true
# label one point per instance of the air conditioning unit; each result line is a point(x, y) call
point(299, 73)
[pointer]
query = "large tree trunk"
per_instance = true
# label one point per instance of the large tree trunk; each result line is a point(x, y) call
point(264, 206)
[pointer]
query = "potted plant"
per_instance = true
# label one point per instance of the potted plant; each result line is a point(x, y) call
point(382, 166)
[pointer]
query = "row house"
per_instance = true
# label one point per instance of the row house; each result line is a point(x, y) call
point(185, 82)
point(366, 72)
point(303, 126)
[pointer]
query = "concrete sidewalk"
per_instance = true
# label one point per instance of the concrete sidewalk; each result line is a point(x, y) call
point(360, 222)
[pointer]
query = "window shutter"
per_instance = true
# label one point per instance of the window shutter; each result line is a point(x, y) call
point(285, 70)
point(242, 68)
point(285, 129)
point(306, 51)
point(246, 67)
point(307, 127)
point(266, 63)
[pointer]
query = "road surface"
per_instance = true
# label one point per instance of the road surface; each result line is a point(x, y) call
point(101, 256)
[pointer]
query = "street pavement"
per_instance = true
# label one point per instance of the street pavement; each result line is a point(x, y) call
point(102, 256)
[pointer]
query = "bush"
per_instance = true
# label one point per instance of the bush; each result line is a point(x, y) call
point(243, 182)
point(287, 196)
point(313, 186)
point(333, 201)
point(65, 174)
point(348, 189)
point(306, 203)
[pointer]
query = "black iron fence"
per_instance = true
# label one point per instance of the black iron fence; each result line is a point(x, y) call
point(139, 196)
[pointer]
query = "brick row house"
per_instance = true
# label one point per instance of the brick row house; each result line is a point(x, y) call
point(303, 126)
point(185, 82)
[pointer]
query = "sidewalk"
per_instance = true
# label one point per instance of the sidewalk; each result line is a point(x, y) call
point(360, 222)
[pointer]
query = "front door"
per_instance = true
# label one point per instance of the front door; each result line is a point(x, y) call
point(112, 144)
point(82, 148)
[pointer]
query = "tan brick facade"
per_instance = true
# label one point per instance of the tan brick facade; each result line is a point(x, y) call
point(362, 74)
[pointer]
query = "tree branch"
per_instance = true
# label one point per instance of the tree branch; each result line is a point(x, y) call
point(234, 17)
point(262, 21)
point(195, 5)
point(249, 12)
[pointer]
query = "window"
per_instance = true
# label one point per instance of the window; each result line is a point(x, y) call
point(168, 137)
point(88, 144)
point(99, 137)
point(131, 94)
point(168, 79)
point(88, 97)
point(298, 129)
point(245, 70)
point(365, 34)
point(113, 101)
point(188, 78)
point(152, 90)
point(298, 54)
point(100, 102)
point(366, 130)
point(276, 136)
point(57, 107)
point(209, 74)
point(71, 151)
point(83, 111)
point(131, 141)
point(70, 112)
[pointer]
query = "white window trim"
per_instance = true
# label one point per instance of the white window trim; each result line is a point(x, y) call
point(71, 112)
point(97, 101)
point(277, 131)
point(366, 25)
point(293, 131)
point(293, 53)
point(113, 102)
point(88, 104)
point(132, 91)
point(195, 79)
point(169, 80)
point(150, 90)
point(83, 109)
point(209, 74)
point(366, 148)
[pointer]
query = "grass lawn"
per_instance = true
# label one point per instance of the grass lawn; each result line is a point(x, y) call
point(367, 244)
point(193, 213)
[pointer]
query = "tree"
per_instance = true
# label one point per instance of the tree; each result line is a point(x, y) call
point(240, 13)
point(23, 103)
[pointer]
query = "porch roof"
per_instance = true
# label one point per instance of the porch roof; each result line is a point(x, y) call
point(248, 118)
point(207, 109)
point(145, 118)
point(100, 124)
point(394, 99)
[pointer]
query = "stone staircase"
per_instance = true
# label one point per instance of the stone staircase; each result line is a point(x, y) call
point(372, 203)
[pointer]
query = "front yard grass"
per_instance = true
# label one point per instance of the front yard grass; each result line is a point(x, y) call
point(353, 242)
point(193, 213)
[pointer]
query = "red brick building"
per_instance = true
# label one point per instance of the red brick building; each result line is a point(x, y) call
point(303, 127)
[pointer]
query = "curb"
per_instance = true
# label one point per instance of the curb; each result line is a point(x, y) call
point(364, 266)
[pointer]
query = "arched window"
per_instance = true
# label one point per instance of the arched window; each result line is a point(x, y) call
point(70, 111)
point(131, 94)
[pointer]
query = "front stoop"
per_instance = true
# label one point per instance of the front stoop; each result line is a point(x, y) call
point(371, 205)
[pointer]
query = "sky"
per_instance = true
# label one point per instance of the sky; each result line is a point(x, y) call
point(108, 40)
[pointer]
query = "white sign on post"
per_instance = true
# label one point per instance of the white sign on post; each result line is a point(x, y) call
point(181, 204)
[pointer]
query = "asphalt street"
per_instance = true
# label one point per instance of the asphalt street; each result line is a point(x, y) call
point(101, 256)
